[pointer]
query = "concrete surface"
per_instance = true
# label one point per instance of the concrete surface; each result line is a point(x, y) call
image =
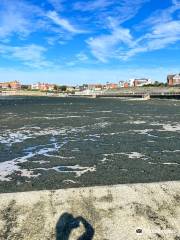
point(133, 211)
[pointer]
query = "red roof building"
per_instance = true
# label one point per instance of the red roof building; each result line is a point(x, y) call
point(173, 80)
point(111, 85)
point(14, 85)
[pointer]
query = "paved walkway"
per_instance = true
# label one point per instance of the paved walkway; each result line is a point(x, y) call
point(133, 211)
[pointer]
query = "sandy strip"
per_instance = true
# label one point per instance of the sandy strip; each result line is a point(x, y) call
point(130, 211)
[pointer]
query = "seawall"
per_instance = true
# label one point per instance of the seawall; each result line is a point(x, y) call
point(131, 211)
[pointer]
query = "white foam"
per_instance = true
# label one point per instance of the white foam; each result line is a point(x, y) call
point(102, 124)
point(142, 131)
point(170, 163)
point(71, 169)
point(75, 150)
point(134, 155)
point(68, 181)
point(16, 136)
point(136, 122)
point(152, 163)
point(131, 155)
point(10, 137)
point(145, 132)
point(164, 163)
point(9, 167)
point(171, 151)
point(168, 127)
point(171, 128)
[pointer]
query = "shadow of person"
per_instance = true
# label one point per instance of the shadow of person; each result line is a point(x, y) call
point(89, 231)
point(67, 223)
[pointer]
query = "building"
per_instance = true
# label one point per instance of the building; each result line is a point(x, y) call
point(43, 86)
point(139, 82)
point(70, 89)
point(35, 86)
point(14, 85)
point(111, 85)
point(123, 84)
point(95, 87)
point(173, 80)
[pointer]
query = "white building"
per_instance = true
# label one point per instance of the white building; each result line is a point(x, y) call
point(35, 86)
point(139, 82)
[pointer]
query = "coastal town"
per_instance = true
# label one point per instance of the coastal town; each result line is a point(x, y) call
point(132, 86)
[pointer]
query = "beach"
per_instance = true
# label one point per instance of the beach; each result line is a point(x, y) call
point(53, 143)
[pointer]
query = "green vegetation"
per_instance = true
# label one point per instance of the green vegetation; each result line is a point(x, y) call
point(156, 84)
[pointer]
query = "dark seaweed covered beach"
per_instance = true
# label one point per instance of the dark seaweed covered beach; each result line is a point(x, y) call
point(50, 143)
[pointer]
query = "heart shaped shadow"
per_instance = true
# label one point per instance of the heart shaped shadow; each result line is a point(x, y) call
point(67, 223)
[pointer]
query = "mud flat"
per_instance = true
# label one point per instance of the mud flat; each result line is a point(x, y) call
point(130, 211)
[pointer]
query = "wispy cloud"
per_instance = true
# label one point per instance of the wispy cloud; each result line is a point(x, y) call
point(99, 27)
point(162, 31)
point(93, 5)
point(162, 15)
point(63, 23)
point(121, 10)
point(107, 46)
point(12, 20)
point(29, 55)
point(121, 44)
point(80, 58)
point(162, 36)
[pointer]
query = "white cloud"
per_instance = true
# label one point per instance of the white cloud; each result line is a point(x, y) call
point(19, 17)
point(30, 55)
point(161, 31)
point(107, 46)
point(93, 5)
point(63, 23)
point(162, 35)
point(122, 10)
point(163, 15)
point(82, 57)
point(13, 20)
point(170, 28)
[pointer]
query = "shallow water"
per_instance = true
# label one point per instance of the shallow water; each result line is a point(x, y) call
point(49, 143)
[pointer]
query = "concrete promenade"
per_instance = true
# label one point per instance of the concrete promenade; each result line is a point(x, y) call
point(130, 211)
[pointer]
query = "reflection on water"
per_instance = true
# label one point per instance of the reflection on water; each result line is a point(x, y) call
point(64, 142)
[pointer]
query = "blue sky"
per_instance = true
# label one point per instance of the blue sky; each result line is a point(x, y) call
point(73, 42)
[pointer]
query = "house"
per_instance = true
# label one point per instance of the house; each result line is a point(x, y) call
point(95, 87)
point(51, 87)
point(70, 89)
point(111, 85)
point(139, 82)
point(123, 84)
point(14, 85)
point(173, 80)
point(35, 86)
point(43, 86)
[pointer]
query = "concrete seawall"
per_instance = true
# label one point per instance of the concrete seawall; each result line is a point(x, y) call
point(132, 211)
